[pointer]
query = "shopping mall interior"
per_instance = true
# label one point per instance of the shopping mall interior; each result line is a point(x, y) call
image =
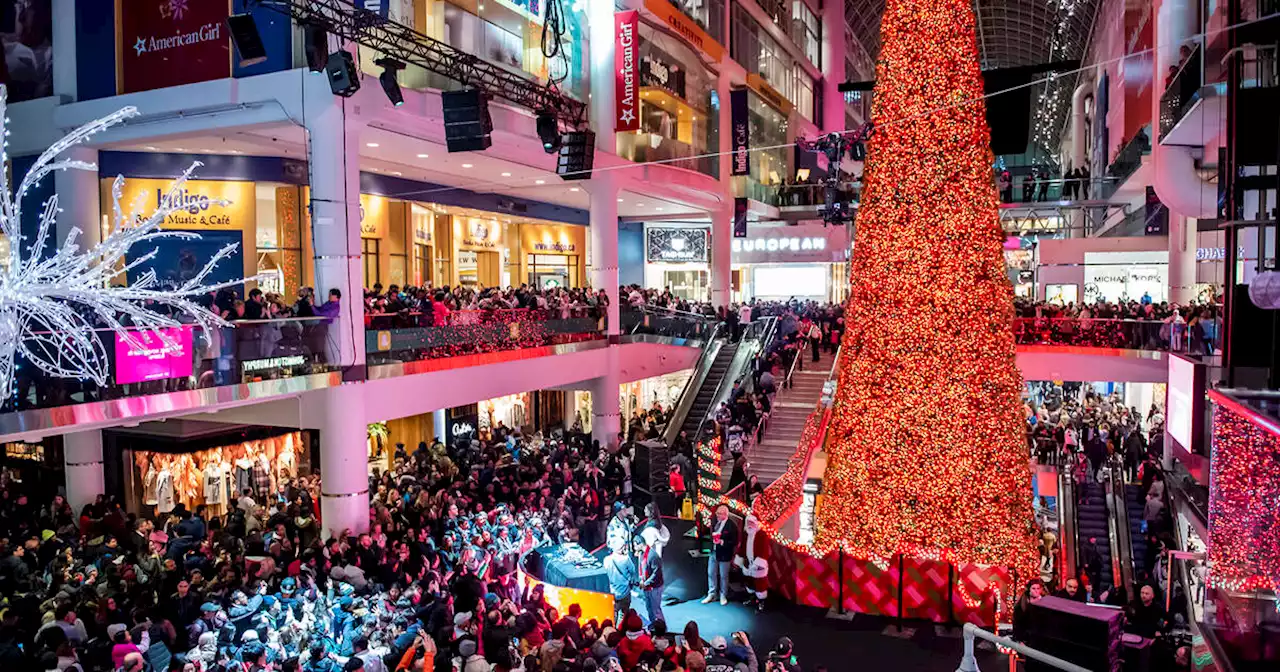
point(640, 335)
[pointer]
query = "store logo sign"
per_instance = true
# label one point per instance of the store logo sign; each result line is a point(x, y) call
point(553, 247)
point(627, 71)
point(780, 244)
point(463, 429)
point(676, 245)
point(172, 42)
point(209, 32)
point(740, 160)
point(274, 363)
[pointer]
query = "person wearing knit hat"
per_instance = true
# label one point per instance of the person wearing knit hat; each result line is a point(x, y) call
point(636, 642)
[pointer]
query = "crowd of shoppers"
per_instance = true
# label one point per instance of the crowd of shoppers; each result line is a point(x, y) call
point(1140, 323)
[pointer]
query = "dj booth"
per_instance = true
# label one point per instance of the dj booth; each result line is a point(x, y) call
point(569, 574)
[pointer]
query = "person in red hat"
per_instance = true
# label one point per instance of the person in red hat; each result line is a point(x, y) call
point(753, 559)
point(635, 642)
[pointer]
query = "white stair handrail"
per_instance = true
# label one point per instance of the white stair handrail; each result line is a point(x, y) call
point(969, 663)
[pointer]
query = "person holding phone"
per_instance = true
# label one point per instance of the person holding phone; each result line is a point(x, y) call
point(724, 542)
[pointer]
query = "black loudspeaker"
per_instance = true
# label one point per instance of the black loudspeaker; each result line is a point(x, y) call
point(343, 79)
point(577, 155)
point(316, 47)
point(467, 124)
point(244, 32)
point(1087, 635)
point(1009, 113)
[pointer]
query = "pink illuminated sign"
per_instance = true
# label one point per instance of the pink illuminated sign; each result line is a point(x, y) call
point(152, 359)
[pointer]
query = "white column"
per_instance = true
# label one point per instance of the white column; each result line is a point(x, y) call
point(603, 84)
point(834, 44)
point(721, 253)
point(79, 199)
point(344, 469)
point(438, 422)
point(605, 417)
point(334, 162)
point(1182, 258)
point(722, 220)
point(64, 45)
point(82, 459)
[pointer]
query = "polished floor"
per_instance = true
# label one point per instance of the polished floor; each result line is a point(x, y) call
point(865, 643)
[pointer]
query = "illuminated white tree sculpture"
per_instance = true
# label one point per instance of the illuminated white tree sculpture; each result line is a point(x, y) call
point(54, 309)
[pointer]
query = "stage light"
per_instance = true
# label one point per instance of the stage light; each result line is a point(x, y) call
point(244, 33)
point(387, 79)
point(343, 79)
point(549, 132)
point(316, 47)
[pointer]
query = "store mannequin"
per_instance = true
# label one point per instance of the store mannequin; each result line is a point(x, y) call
point(213, 485)
point(165, 500)
point(148, 473)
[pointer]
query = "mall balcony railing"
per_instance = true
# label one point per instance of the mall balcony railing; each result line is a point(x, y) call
point(654, 148)
point(1128, 160)
point(392, 338)
point(667, 322)
point(809, 194)
point(247, 351)
point(1092, 332)
point(1182, 91)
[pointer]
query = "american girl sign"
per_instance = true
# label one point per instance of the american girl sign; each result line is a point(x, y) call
point(626, 65)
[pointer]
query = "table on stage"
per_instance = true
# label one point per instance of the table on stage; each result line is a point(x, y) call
point(569, 574)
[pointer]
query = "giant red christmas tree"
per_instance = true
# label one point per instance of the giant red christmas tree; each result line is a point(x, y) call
point(927, 454)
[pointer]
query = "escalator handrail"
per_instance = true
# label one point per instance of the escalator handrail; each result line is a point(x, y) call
point(691, 387)
point(742, 354)
point(1068, 526)
point(1118, 527)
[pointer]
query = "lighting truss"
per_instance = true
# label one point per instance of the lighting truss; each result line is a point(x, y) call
point(354, 24)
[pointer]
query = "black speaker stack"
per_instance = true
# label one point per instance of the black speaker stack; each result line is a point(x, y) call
point(467, 124)
point(577, 155)
point(1087, 635)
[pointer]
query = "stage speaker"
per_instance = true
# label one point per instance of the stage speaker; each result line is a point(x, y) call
point(577, 155)
point(1087, 635)
point(244, 33)
point(467, 124)
point(343, 79)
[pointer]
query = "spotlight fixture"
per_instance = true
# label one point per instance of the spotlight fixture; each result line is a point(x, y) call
point(316, 47)
point(343, 79)
point(390, 85)
point(244, 33)
point(549, 132)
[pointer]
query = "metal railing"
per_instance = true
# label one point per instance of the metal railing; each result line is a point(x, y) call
point(196, 358)
point(969, 663)
point(1181, 91)
point(667, 322)
point(1118, 526)
point(1068, 525)
point(1128, 159)
point(1110, 333)
point(710, 351)
point(642, 147)
point(476, 331)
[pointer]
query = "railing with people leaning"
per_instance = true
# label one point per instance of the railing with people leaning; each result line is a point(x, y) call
point(184, 358)
point(1163, 335)
point(667, 322)
point(410, 337)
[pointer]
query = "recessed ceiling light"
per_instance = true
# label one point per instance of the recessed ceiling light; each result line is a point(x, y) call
point(506, 174)
point(539, 181)
point(422, 156)
point(370, 144)
point(179, 149)
point(640, 204)
point(236, 151)
point(149, 148)
point(658, 209)
point(398, 174)
point(574, 189)
point(619, 200)
point(468, 165)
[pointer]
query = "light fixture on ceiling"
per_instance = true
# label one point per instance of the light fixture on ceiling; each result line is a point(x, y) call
point(371, 144)
point(619, 200)
point(506, 174)
point(574, 189)
point(422, 156)
point(539, 181)
point(549, 132)
point(468, 165)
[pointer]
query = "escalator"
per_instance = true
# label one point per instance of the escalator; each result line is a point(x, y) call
point(705, 396)
point(1137, 540)
point(1094, 530)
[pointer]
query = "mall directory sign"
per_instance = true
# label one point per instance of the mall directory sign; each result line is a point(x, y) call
point(151, 358)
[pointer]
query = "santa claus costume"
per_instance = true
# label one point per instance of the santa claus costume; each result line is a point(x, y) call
point(753, 559)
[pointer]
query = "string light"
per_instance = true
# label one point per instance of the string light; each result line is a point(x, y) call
point(927, 453)
point(1244, 527)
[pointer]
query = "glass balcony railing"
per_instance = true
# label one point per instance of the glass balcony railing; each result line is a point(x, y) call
point(1108, 333)
point(194, 358)
point(668, 323)
point(1128, 160)
point(1181, 91)
point(411, 337)
point(652, 148)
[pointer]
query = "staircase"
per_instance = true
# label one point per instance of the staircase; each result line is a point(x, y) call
point(1138, 540)
point(1093, 523)
point(791, 409)
point(702, 402)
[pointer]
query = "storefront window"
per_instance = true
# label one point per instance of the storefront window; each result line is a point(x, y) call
point(805, 31)
point(279, 238)
point(804, 93)
point(768, 129)
point(677, 118)
point(709, 14)
point(513, 411)
point(548, 271)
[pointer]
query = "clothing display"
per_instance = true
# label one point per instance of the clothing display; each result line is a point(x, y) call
point(217, 477)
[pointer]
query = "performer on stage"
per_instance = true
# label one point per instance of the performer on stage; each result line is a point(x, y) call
point(651, 574)
point(753, 560)
point(654, 520)
point(724, 545)
point(622, 578)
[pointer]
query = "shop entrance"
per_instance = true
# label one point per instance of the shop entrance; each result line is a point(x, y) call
point(479, 268)
point(689, 285)
point(548, 271)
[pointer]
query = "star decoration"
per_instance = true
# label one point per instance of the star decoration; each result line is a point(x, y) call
point(140, 47)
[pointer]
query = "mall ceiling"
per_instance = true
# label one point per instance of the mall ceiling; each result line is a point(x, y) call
point(1010, 32)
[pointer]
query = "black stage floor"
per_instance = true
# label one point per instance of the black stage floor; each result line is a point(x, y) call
point(869, 643)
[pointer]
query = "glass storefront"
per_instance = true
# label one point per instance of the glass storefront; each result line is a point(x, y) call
point(676, 259)
point(554, 255)
point(677, 117)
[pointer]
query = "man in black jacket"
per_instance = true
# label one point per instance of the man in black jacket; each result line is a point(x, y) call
point(724, 541)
